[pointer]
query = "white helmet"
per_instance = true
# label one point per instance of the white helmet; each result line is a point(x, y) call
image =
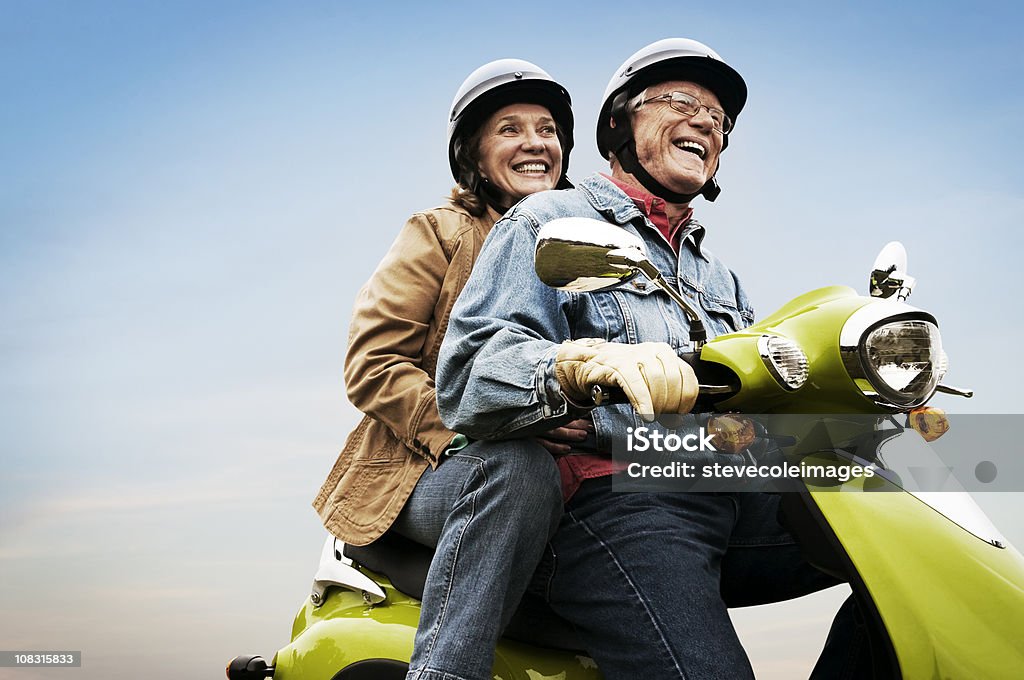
point(497, 84)
point(669, 59)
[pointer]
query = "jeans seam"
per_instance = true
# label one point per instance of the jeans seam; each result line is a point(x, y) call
point(550, 577)
point(431, 673)
point(636, 594)
point(469, 479)
point(450, 567)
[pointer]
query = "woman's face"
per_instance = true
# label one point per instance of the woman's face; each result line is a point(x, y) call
point(519, 151)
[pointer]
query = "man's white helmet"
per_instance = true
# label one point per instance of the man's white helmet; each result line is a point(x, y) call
point(669, 59)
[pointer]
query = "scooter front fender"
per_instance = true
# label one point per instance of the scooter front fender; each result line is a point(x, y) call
point(952, 603)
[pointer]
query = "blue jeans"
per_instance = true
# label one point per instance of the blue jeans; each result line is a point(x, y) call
point(647, 578)
point(489, 510)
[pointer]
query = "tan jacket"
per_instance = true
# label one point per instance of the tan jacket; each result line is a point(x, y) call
point(398, 322)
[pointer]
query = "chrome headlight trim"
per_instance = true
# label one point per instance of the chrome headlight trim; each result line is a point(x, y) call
point(902, 357)
point(855, 332)
point(943, 366)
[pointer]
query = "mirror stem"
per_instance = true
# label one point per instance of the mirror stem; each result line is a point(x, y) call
point(698, 334)
point(629, 258)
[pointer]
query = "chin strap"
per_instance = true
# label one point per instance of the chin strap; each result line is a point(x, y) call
point(625, 152)
point(491, 195)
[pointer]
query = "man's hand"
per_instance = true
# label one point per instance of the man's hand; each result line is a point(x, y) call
point(653, 377)
point(560, 440)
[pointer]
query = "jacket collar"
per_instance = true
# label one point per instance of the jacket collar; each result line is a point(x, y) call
point(608, 199)
point(617, 207)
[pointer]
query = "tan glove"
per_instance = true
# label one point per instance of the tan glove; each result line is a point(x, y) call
point(653, 377)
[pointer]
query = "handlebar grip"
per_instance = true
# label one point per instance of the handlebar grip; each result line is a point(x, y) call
point(603, 395)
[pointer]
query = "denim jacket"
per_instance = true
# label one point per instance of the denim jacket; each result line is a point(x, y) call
point(495, 372)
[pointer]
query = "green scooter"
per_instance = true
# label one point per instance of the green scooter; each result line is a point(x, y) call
point(828, 376)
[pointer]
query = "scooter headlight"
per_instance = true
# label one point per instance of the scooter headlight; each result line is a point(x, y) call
point(903, 360)
point(893, 353)
point(784, 359)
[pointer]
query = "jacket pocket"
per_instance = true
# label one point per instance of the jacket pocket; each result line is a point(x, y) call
point(631, 313)
point(726, 317)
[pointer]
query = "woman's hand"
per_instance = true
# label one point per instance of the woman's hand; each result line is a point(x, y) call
point(561, 439)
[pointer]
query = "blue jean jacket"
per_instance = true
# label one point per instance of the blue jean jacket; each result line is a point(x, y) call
point(495, 373)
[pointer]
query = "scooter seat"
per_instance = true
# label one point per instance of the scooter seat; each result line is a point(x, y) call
point(405, 563)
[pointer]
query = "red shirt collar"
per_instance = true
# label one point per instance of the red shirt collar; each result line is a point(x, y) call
point(653, 209)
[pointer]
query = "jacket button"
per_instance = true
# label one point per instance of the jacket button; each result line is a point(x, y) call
point(417, 443)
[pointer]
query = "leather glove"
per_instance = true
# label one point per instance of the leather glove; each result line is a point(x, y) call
point(653, 377)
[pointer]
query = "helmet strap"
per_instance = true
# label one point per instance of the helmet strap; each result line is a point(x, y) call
point(491, 195)
point(624, 147)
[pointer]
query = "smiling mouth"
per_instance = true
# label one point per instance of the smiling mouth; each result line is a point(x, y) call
point(692, 147)
point(531, 168)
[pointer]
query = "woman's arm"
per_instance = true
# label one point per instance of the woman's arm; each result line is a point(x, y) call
point(391, 321)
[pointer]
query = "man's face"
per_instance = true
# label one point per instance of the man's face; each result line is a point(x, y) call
point(679, 151)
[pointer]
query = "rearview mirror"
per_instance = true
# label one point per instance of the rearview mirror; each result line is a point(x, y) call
point(584, 255)
point(889, 274)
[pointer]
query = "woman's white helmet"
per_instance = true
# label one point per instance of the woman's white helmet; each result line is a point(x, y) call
point(669, 59)
point(497, 84)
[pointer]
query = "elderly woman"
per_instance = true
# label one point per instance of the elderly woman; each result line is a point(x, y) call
point(488, 508)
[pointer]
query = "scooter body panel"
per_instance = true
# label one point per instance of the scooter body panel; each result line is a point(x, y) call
point(813, 321)
point(345, 630)
point(952, 603)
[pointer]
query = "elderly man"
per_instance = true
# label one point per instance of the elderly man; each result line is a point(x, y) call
point(647, 577)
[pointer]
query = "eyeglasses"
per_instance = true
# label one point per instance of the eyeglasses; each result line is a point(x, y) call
point(688, 105)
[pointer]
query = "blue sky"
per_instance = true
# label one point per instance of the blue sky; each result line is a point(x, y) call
point(191, 194)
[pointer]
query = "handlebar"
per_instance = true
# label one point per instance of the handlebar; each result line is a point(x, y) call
point(710, 385)
point(603, 395)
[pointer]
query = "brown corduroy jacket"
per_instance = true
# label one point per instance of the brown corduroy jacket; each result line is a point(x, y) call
point(398, 322)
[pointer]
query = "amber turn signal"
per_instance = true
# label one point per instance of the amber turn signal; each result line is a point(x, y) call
point(929, 422)
point(731, 432)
